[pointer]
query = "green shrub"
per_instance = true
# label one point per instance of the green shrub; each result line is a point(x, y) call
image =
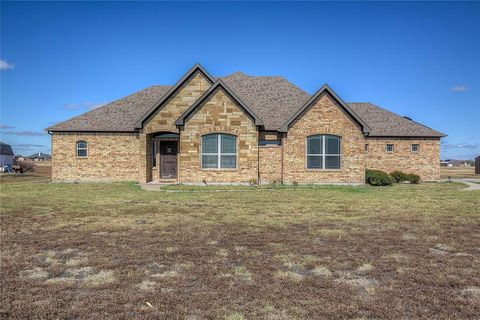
point(413, 178)
point(378, 178)
point(399, 176)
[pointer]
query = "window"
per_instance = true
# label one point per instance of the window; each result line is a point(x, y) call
point(82, 150)
point(270, 142)
point(154, 153)
point(366, 147)
point(323, 152)
point(390, 148)
point(415, 148)
point(219, 151)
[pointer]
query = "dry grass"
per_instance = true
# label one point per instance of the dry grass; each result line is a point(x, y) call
point(458, 172)
point(112, 251)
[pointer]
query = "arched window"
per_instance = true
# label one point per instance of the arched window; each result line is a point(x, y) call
point(219, 151)
point(323, 152)
point(82, 148)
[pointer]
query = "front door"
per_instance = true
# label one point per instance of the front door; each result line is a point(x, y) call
point(168, 159)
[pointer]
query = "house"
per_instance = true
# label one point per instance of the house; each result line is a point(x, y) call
point(39, 156)
point(6, 155)
point(237, 129)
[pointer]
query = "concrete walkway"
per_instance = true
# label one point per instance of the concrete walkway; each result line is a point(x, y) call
point(468, 181)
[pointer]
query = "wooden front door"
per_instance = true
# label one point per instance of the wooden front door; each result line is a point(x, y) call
point(168, 159)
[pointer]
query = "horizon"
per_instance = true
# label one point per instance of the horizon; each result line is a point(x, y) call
point(59, 60)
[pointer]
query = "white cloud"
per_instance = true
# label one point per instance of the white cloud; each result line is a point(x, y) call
point(4, 65)
point(83, 105)
point(26, 133)
point(446, 145)
point(5, 126)
point(461, 88)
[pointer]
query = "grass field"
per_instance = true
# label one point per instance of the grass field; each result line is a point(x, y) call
point(458, 172)
point(113, 251)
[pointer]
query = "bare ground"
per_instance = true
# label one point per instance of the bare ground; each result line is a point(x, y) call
point(111, 251)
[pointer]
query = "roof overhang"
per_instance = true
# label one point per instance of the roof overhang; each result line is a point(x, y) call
point(219, 84)
point(325, 89)
point(196, 68)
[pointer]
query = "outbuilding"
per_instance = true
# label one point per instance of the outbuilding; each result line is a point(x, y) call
point(6, 155)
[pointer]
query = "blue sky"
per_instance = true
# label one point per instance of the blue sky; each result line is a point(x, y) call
point(422, 60)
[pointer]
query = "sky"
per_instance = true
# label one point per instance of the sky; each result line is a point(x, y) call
point(417, 59)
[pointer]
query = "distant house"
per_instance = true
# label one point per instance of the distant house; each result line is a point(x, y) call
point(19, 157)
point(445, 163)
point(39, 156)
point(6, 154)
point(455, 163)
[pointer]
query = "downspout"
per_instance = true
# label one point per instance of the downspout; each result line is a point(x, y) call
point(281, 166)
point(258, 157)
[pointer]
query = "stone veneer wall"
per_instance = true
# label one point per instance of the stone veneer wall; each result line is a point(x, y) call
point(324, 117)
point(111, 156)
point(222, 115)
point(270, 157)
point(164, 120)
point(425, 163)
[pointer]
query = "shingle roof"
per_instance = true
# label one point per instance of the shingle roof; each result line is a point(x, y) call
point(384, 123)
point(118, 116)
point(5, 149)
point(273, 99)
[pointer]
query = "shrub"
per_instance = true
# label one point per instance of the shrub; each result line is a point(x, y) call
point(413, 178)
point(25, 166)
point(295, 183)
point(399, 176)
point(378, 178)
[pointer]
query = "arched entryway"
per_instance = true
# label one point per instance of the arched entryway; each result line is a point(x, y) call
point(164, 156)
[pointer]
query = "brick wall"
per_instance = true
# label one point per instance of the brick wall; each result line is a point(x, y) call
point(110, 157)
point(219, 114)
point(164, 120)
point(270, 158)
point(324, 117)
point(425, 163)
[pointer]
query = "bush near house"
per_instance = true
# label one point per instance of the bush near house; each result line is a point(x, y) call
point(413, 178)
point(378, 178)
point(399, 176)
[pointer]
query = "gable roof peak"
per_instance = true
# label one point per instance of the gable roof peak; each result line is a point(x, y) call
point(219, 83)
point(326, 88)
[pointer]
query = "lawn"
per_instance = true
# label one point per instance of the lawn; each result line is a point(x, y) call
point(113, 251)
point(458, 172)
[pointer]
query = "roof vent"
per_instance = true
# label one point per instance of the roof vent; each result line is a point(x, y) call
point(408, 118)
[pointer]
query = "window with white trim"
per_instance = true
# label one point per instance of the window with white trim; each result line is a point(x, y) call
point(82, 148)
point(219, 151)
point(324, 152)
point(415, 148)
point(389, 148)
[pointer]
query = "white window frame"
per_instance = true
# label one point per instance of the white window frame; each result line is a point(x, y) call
point(393, 148)
point(324, 154)
point(219, 153)
point(418, 148)
point(77, 148)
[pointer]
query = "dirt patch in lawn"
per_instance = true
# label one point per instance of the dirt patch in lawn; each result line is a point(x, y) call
point(228, 256)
